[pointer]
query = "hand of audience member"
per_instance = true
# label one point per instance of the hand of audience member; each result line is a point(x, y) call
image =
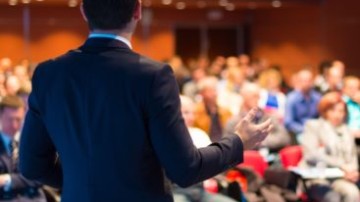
point(352, 176)
point(4, 179)
point(252, 134)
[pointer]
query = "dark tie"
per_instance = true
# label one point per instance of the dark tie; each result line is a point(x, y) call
point(14, 151)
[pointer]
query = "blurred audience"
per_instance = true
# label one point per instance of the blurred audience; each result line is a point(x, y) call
point(333, 80)
point(190, 88)
point(229, 88)
point(320, 80)
point(278, 137)
point(301, 104)
point(217, 67)
point(195, 193)
point(14, 187)
point(350, 89)
point(324, 143)
point(198, 136)
point(210, 117)
point(12, 85)
point(180, 71)
point(219, 92)
point(272, 100)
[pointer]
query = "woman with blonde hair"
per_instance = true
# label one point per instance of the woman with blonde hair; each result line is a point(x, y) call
point(229, 89)
point(272, 100)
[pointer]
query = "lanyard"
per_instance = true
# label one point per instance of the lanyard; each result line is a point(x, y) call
point(111, 36)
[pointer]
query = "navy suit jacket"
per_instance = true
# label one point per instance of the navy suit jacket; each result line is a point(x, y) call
point(112, 118)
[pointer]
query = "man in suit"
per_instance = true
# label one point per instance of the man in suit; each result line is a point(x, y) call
point(112, 118)
point(13, 186)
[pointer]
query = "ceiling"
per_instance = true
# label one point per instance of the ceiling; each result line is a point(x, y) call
point(183, 4)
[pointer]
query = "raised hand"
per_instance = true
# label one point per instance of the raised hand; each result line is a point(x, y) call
point(250, 133)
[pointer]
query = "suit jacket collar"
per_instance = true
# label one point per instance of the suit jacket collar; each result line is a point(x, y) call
point(95, 43)
point(2, 144)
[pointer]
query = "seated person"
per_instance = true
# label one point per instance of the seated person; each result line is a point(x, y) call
point(278, 137)
point(200, 139)
point(272, 100)
point(301, 104)
point(327, 141)
point(210, 117)
point(13, 186)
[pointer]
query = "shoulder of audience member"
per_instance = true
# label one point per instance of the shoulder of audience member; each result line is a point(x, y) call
point(293, 95)
point(316, 94)
point(314, 122)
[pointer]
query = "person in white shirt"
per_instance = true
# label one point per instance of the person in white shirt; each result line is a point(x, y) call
point(200, 139)
point(198, 136)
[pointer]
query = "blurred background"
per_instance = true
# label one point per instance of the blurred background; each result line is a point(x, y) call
point(296, 60)
point(288, 33)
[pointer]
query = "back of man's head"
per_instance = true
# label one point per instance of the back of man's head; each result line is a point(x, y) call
point(109, 14)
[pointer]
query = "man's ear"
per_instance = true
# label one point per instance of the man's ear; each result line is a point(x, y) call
point(83, 12)
point(138, 11)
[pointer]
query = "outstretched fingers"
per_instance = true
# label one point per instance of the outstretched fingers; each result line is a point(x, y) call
point(266, 125)
point(250, 116)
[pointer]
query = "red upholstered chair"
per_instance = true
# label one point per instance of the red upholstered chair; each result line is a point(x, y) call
point(253, 159)
point(290, 156)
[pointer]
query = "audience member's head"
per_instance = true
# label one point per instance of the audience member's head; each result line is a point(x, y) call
point(220, 60)
point(12, 85)
point(351, 86)
point(250, 93)
point(236, 76)
point(333, 108)
point(270, 79)
point(187, 110)
point(304, 80)
point(244, 60)
point(260, 64)
point(11, 114)
point(357, 97)
point(203, 62)
point(21, 73)
point(5, 64)
point(324, 66)
point(334, 78)
point(339, 65)
point(232, 62)
point(208, 89)
point(176, 63)
point(198, 74)
point(217, 66)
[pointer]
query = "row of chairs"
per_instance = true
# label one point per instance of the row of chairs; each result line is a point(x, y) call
point(289, 157)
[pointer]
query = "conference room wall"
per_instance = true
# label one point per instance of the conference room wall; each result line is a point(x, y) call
point(290, 37)
point(54, 30)
point(295, 37)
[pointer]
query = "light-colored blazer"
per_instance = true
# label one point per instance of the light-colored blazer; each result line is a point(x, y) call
point(322, 142)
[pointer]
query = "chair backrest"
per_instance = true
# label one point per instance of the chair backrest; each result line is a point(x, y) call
point(290, 156)
point(254, 160)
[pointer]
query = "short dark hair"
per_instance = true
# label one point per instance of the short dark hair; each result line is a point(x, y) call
point(324, 66)
point(11, 101)
point(109, 14)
